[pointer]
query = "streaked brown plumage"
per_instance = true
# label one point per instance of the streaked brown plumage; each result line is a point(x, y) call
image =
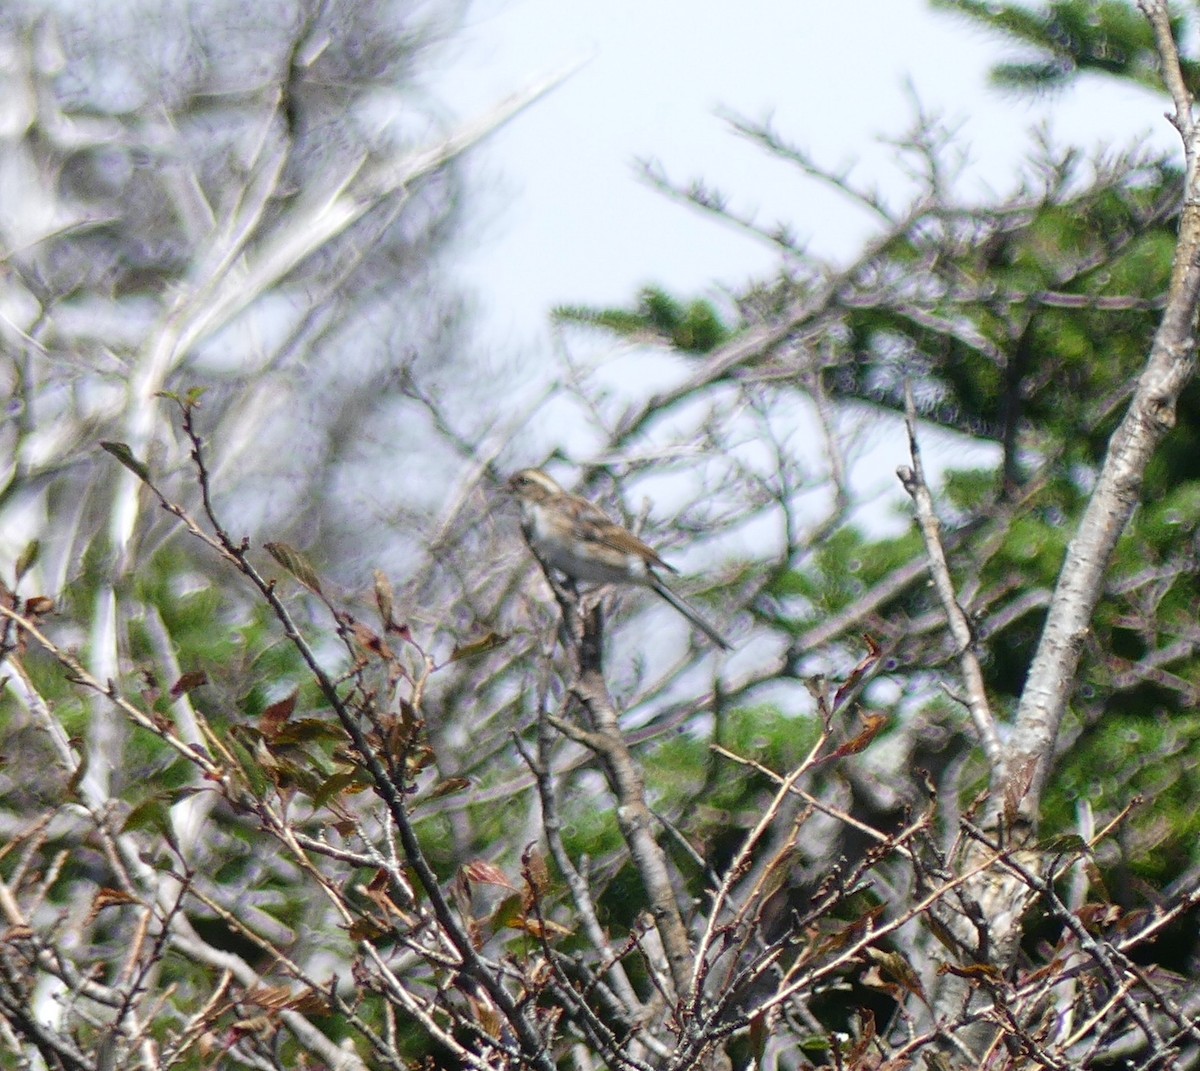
point(576, 537)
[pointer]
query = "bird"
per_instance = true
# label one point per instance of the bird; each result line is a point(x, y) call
point(578, 538)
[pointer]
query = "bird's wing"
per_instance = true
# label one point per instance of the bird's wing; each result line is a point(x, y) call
point(597, 527)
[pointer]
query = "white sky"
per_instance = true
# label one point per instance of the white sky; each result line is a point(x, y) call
point(559, 215)
point(566, 219)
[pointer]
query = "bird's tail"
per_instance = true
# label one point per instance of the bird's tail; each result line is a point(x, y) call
point(692, 615)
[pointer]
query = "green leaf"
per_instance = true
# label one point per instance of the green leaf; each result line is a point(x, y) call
point(306, 730)
point(332, 786)
point(249, 765)
point(28, 558)
point(152, 815)
point(189, 400)
point(695, 327)
point(1065, 844)
point(507, 912)
point(477, 647)
point(124, 455)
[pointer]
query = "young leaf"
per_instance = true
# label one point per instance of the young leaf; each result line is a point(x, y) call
point(296, 564)
point(477, 647)
point(124, 455)
point(481, 872)
point(449, 787)
point(28, 558)
point(383, 596)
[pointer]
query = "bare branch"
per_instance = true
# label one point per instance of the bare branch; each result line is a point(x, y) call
point(914, 483)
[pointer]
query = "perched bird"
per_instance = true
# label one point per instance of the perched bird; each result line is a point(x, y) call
point(576, 537)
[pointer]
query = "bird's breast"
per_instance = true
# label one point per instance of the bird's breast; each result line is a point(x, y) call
point(583, 559)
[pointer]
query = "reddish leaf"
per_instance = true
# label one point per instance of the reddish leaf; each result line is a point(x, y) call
point(896, 970)
point(370, 641)
point(448, 787)
point(271, 997)
point(758, 1037)
point(481, 872)
point(310, 1002)
point(858, 1055)
point(543, 929)
point(108, 897)
point(858, 672)
point(983, 971)
point(1098, 916)
point(188, 682)
point(536, 872)
point(80, 771)
point(296, 564)
point(276, 715)
point(486, 1017)
point(872, 724)
point(379, 893)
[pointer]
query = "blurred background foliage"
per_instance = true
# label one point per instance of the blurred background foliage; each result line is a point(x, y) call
point(1023, 325)
point(345, 404)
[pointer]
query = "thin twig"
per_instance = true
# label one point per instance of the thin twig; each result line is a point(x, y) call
point(960, 628)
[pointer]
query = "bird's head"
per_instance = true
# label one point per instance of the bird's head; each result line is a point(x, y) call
point(533, 485)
